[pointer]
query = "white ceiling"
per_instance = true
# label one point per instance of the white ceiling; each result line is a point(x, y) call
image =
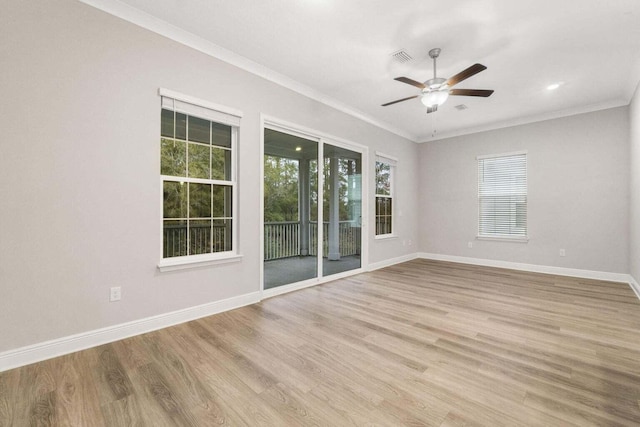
point(338, 51)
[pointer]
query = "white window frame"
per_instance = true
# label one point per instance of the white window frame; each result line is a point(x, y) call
point(393, 163)
point(496, 236)
point(220, 114)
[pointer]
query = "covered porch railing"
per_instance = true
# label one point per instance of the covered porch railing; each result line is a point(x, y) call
point(203, 238)
point(282, 239)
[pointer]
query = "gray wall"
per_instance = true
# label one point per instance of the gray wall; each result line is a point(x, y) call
point(578, 192)
point(79, 172)
point(634, 187)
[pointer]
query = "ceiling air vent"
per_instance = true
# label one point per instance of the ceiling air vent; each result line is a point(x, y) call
point(461, 107)
point(401, 56)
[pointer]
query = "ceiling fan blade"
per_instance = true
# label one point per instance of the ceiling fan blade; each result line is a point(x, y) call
point(410, 82)
point(463, 75)
point(471, 92)
point(399, 100)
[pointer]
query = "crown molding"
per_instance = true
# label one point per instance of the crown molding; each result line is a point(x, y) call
point(142, 19)
point(527, 120)
point(165, 29)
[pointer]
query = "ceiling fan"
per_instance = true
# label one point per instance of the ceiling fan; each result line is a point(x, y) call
point(435, 91)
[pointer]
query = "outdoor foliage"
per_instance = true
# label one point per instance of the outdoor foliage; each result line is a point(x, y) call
point(383, 179)
point(280, 189)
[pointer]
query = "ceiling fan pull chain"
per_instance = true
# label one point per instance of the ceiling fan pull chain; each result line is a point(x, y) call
point(433, 126)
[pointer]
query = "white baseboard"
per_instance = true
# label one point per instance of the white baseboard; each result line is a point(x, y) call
point(560, 271)
point(58, 347)
point(390, 262)
point(634, 285)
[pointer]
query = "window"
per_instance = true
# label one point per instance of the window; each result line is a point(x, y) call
point(502, 196)
point(385, 167)
point(197, 168)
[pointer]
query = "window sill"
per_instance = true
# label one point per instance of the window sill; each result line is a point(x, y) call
point(518, 239)
point(195, 261)
point(386, 236)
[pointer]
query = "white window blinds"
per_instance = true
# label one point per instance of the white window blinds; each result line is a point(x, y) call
point(502, 195)
point(199, 108)
point(383, 158)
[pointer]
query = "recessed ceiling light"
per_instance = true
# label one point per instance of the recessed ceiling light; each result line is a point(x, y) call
point(554, 86)
point(298, 148)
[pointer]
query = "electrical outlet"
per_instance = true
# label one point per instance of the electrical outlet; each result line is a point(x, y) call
point(562, 252)
point(470, 245)
point(115, 294)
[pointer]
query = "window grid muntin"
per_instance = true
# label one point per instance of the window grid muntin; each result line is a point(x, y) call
point(229, 228)
point(384, 222)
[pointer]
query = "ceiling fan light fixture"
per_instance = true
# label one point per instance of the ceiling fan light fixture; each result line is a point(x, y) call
point(436, 97)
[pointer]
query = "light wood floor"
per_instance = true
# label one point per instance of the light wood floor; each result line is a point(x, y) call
point(421, 343)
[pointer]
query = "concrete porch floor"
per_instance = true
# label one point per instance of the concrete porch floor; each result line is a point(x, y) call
point(284, 271)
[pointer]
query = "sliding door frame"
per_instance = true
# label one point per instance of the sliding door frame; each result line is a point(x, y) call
point(268, 122)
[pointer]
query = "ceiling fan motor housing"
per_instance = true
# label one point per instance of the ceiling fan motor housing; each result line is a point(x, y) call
point(434, 84)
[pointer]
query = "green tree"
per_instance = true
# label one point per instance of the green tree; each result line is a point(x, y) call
point(280, 189)
point(345, 168)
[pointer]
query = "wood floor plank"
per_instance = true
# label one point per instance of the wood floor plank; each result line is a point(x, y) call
point(423, 343)
point(277, 359)
point(454, 419)
point(36, 390)
point(43, 410)
point(123, 412)
point(297, 409)
point(233, 402)
point(575, 415)
point(9, 398)
point(213, 411)
point(159, 392)
point(355, 410)
point(76, 394)
point(114, 381)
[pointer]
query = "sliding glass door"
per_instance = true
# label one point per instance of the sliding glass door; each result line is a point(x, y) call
point(312, 209)
point(342, 208)
point(290, 177)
